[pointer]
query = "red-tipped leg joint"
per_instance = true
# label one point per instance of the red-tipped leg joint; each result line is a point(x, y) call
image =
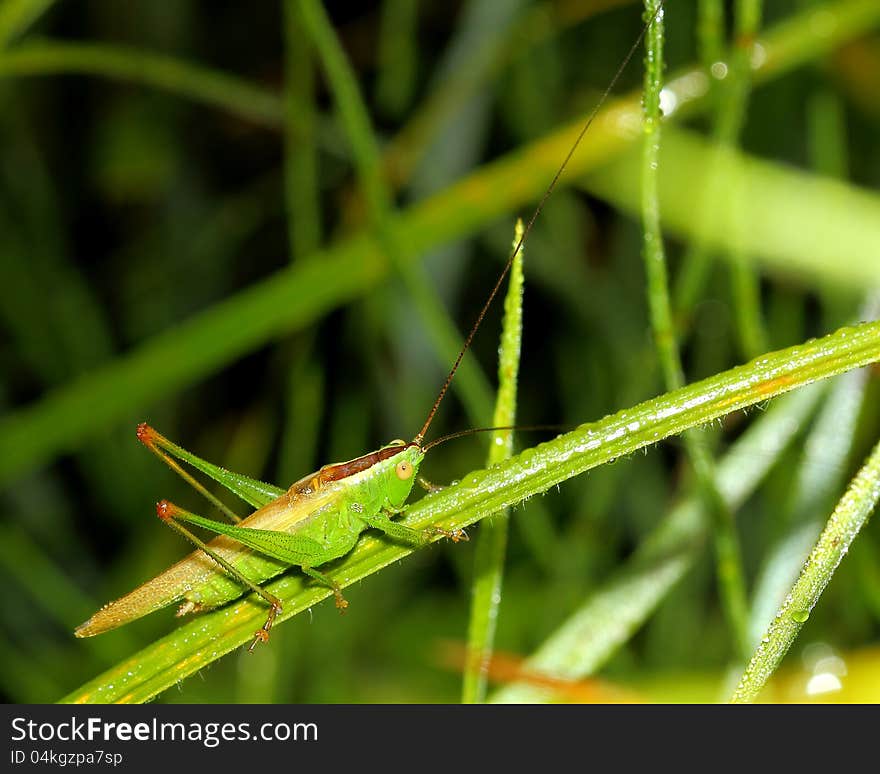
point(146, 435)
point(166, 511)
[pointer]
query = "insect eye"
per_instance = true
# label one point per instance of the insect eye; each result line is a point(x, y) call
point(404, 470)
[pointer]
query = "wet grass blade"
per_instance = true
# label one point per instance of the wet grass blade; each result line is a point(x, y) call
point(491, 547)
point(482, 493)
point(850, 515)
point(619, 607)
point(63, 419)
point(819, 480)
point(176, 76)
point(728, 554)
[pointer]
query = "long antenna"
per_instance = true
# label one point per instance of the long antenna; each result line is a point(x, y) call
point(550, 188)
point(475, 430)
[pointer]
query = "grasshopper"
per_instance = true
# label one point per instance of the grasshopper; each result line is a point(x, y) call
point(317, 519)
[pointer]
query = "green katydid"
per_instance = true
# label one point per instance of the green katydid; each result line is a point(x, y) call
point(317, 519)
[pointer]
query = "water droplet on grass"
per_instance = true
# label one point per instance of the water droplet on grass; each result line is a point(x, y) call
point(800, 615)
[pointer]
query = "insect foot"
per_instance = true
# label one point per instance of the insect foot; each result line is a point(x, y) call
point(455, 535)
point(262, 635)
point(341, 602)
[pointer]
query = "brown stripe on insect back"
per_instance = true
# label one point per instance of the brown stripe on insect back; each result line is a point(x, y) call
point(342, 470)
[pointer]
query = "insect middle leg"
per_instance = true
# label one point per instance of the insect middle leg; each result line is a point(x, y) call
point(341, 602)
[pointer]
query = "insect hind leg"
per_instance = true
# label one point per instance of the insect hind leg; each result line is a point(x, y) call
point(171, 515)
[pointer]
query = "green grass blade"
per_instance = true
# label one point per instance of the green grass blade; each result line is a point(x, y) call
point(294, 299)
point(304, 214)
point(787, 211)
point(729, 559)
point(730, 119)
point(61, 420)
point(710, 32)
point(132, 65)
point(485, 37)
point(301, 186)
point(732, 95)
point(201, 345)
point(850, 515)
point(653, 253)
point(491, 547)
point(398, 56)
point(482, 493)
point(620, 606)
point(17, 15)
point(470, 382)
point(819, 480)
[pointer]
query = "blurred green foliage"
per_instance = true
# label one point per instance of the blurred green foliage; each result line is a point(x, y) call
point(184, 240)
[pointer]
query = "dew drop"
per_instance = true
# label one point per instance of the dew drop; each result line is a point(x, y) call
point(758, 56)
point(472, 481)
point(668, 102)
point(800, 615)
point(719, 70)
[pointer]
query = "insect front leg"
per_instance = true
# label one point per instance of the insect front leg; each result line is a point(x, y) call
point(415, 537)
point(457, 535)
point(429, 486)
